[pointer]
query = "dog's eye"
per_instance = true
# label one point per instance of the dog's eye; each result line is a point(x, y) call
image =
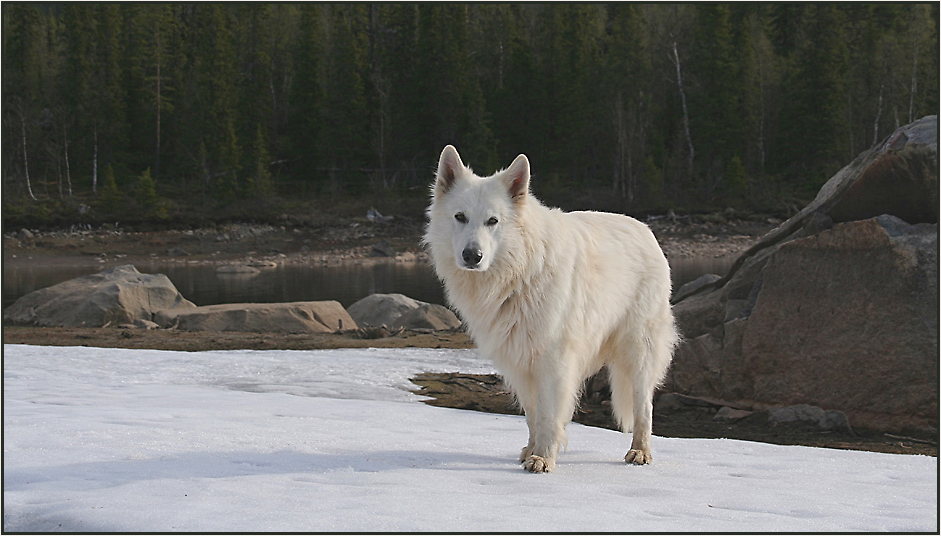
point(460, 217)
point(492, 221)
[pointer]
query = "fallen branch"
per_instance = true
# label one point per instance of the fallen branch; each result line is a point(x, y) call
point(916, 440)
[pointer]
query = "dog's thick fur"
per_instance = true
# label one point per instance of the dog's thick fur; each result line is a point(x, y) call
point(552, 297)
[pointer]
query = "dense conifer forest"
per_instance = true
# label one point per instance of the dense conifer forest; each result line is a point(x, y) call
point(148, 110)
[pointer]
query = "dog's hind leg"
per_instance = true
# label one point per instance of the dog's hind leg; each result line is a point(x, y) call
point(632, 402)
point(528, 449)
point(634, 378)
point(521, 384)
point(639, 454)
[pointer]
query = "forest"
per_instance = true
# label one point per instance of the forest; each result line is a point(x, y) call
point(145, 111)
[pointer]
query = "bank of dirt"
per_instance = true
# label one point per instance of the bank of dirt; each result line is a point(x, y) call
point(200, 341)
point(353, 240)
point(485, 392)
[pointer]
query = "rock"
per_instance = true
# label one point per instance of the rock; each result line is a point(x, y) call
point(812, 416)
point(381, 309)
point(669, 402)
point(382, 249)
point(428, 316)
point(239, 269)
point(837, 307)
point(726, 413)
point(694, 285)
point(856, 330)
point(24, 234)
point(374, 216)
point(398, 311)
point(294, 317)
point(901, 179)
point(145, 324)
point(261, 264)
point(114, 296)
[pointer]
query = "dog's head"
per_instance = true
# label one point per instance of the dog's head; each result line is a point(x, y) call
point(475, 212)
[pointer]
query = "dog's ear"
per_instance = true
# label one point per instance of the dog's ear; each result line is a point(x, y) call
point(449, 166)
point(516, 178)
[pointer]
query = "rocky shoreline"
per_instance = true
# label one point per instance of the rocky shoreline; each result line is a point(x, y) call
point(351, 240)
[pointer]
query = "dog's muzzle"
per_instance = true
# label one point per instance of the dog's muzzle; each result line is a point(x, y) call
point(472, 257)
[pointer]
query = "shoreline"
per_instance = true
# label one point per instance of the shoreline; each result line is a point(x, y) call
point(346, 241)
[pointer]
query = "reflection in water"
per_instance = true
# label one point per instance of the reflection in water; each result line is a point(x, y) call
point(203, 286)
point(683, 271)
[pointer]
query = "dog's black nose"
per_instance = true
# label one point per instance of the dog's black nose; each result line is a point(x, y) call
point(472, 257)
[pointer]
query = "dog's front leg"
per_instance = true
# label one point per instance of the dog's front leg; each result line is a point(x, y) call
point(554, 403)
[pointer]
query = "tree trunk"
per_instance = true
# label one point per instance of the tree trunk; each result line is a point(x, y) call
point(875, 127)
point(59, 176)
point(914, 88)
point(157, 150)
point(94, 163)
point(68, 174)
point(29, 187)
point(679, 84)
point(622, 141)
point(761, 119)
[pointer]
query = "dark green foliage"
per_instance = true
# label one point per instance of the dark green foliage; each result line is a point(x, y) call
point(229, 105)
point(109, 196)
point(148, 201)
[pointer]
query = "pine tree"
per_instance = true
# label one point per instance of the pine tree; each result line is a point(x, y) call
point(110, 196)
point(214, 99)
point(346, 123)
point(629, 99)
point(147, 198)
point(307, 95)
point(454, 110)
point(28, 65)
point(259, 180)
point(816, 131)
point(715, 115)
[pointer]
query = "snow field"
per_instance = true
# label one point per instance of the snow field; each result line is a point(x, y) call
point(139, 440)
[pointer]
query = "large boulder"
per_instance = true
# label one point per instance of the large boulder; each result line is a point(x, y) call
point(114, 296)
point(399, 311)
point(838, 307)
point(293, 317)
point(848, 319)
point(381, 309)
point(428, 316)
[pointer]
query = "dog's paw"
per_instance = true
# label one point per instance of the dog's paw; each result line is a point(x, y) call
point(526, 453)
point(538, 464)
point(638, 457)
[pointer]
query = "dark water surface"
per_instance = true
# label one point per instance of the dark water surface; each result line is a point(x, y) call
point(346, 284)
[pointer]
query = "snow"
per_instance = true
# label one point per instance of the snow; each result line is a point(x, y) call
point(138, 440)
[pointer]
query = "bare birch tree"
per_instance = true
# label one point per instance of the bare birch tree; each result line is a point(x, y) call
point(675, 59)
point(19, 110)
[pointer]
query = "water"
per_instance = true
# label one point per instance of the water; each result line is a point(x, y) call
point(346, 284)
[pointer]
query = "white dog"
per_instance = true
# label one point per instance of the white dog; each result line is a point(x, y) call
point(552, 297)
